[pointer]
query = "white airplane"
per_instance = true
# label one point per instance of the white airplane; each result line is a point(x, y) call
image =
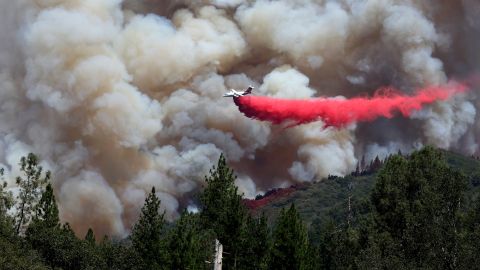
point(235, 93)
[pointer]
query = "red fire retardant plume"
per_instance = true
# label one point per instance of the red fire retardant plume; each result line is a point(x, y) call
point(341, 112)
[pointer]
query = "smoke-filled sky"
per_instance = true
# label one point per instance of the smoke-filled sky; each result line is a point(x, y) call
point(119, 96)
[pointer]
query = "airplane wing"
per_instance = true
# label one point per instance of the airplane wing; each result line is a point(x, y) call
point(231, 93)
point(235, 93)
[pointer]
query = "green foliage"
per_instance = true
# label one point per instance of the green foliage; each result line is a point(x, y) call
point(90, 237)
point(6, 198)
point(6, 202)
point(30, 186)
point(471, 237)
point(58, 245)
point(382, 252)
point(338, 247)
point(46, 211)
point(415, 218)
point(189, 246)
point(119, 256)
point(223, 210)
point(147, 233)
point(255, 243)
point(327, 199)
point(45, 227)
point(13, 256)
point(417, 203)
point(290, 242)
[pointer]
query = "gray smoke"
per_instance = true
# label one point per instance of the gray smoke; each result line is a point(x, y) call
point(117, 97)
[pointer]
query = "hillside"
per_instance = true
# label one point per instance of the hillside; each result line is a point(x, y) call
point(328, 198)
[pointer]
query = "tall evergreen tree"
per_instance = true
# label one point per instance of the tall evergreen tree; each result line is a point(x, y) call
point(254, 245)
point(30, 186)
point(223, 210)
point(147, 233)
point(46, 211)
point(44, 222)
point(14, 255)
point(290, 242)
point(94, 258)
point(417, 203)
point(338, 247)
point(6, 202)
point(471, 237)
point(58, 246)
point(189, 246)
point(119, 256)
point(90, 237)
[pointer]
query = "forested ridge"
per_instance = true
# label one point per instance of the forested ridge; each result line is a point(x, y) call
point(420, 211)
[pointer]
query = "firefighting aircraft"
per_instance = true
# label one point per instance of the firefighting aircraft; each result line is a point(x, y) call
point(235, 93)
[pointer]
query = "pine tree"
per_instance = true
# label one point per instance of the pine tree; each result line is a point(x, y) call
point(93, 254)
point(417, 203)
point(189, 246)
point(44, 221)
point(119, 257)
point(58, 245)
point(13, 255)
point(223, 210)
point(471, 237)
point(30, 189)
point(376, 164)
point(46, 211)
point(147, 232)
point(290, 242)
point(381, 251)
point(339, 246)
point(6, 199)
point(254, 244)
point(363, 164)
point(6, 202)
point(90, 237)
point(390, 196)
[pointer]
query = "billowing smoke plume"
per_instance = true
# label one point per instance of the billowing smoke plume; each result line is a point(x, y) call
point(119, 96)
point(340, 112)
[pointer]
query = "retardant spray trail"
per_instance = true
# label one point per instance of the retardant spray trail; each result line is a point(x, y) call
point(341, 112)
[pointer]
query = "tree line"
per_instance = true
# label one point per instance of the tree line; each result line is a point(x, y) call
point(416, 218)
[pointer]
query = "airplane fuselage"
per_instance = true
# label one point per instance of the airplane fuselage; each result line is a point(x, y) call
point(235, 93)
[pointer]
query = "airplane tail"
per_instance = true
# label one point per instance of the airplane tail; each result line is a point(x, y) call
point(249, 90)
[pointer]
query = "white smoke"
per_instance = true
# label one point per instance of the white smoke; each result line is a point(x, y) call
point(116, 98)
point(286, 82)
point(160, 52)
point(302, 31)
